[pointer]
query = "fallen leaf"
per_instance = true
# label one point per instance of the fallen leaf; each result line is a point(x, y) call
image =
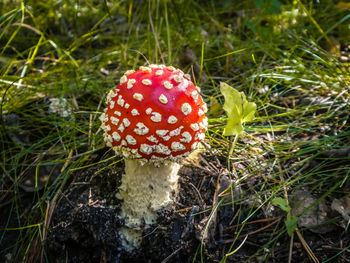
point(342, 206)
point(310, 215)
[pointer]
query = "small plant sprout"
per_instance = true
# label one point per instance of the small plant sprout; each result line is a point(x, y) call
point(154, 118)
point(238, 110)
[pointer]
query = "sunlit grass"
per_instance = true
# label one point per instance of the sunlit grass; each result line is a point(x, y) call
point(286, 62)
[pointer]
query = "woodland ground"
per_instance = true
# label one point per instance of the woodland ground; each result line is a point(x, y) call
point(281, 195)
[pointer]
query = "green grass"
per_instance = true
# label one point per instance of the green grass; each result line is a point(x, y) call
point(284, 57)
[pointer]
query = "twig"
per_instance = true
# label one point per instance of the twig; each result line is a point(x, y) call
point(182, 210)
point(200, 199)
point(171, 255)
point(306, 247)
point(291, 248)
point(211, 224)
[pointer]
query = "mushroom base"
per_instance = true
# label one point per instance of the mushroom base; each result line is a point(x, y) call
point(144, 190)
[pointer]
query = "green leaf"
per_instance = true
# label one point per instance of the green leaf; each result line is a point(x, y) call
point(274, 8)
point(238, 109)
point(259, 3)
point(282, 203)
point(291, 223)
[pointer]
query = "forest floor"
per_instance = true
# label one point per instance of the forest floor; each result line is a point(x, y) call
point(281, 195)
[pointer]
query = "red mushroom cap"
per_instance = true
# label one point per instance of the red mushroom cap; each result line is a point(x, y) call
point(154, 113)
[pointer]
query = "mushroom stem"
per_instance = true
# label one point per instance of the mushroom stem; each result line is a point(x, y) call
point(144, 190)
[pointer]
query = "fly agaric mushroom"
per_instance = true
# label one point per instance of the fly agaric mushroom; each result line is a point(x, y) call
point(154, 118)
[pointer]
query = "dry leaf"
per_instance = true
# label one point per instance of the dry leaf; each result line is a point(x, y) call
point(342, 206)
point(313, 217)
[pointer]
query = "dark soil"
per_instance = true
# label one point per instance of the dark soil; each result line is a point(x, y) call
point(85, 223)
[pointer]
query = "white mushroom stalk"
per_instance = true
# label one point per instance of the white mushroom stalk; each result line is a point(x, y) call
point(153, 188)
point(154, 118)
